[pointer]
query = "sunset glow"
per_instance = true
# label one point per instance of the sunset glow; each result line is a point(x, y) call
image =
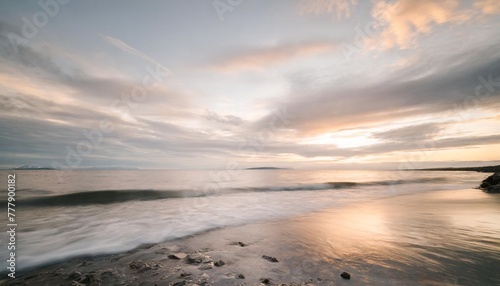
point(352, 82)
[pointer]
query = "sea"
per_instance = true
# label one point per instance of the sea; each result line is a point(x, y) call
point(66, 214)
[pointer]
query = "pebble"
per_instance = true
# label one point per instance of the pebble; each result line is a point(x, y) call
point(345, 275)
point(219, 263)
point(240, 276)
point(179, 255)
point(206, 266)
point(195, 258)
point(265, 280)
point(270, 258)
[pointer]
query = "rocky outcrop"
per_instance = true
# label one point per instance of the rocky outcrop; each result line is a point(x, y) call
point(491, 184)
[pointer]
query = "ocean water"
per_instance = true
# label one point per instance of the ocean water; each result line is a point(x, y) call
point(64, 214)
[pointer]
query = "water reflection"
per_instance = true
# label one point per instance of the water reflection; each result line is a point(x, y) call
point(447, 237)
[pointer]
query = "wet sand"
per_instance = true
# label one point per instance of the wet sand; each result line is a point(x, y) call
point(434, 238)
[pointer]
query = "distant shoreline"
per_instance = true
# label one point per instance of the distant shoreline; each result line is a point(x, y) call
point(267, 168)
point(485, 169)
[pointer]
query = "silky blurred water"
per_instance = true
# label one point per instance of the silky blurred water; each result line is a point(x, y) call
point(73, 213)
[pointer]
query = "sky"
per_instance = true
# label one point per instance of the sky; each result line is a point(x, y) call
point(193, 84)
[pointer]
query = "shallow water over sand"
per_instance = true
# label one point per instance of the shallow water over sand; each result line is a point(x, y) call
point(434, 238)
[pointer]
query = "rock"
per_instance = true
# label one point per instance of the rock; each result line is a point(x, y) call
point(491, 184)
point(240, 276)
point(74, 276)
point(206, 266)
point(242, 244)
point(207, 259)
point(494, 189)
point(219, 263)
point(180, 283)
point(163, 251)
point(86, 263)
point(195, 258)
point(185, 274)
point(78, 279)
point(142, 266)
point(265, 280)
point(58, 272)
point(203, 278)
point(137, 264)
point(111, 276)
point(83, 279)
point(90, 278)
point(270, 258)
point(179, 255)
point(345, 275)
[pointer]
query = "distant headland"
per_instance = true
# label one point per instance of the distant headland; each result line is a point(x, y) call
point(267, 168)
point(31, 167)
point(485, 169)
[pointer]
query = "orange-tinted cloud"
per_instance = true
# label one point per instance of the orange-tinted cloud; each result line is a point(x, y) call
point(488, 6)
point(339, 7)
point(402, 21)
point(261, 58)
point(405, 19)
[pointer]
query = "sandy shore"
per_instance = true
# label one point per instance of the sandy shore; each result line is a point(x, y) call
point(434, 238)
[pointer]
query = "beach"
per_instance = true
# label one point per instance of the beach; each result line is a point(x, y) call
point(441, 237)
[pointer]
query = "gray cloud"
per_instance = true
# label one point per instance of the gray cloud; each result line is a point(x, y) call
point(439, 90)
point(224, 119)
point(415, 133)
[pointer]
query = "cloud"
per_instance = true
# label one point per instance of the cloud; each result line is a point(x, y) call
point(339, 7)
point(385, 147)
point(414, 133)
point(46, 108)
point(33, 71)
point(23, 56)
point(446, 89)
point(129, 49)
point(488, 6)
point(224, 119)
point(46, 104)
point(402, 21)
point(260, 58)
point(39, 131)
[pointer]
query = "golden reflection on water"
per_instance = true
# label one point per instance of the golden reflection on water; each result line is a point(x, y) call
point(430, 237)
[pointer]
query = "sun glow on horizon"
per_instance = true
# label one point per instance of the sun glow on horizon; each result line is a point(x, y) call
point(342, 140)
